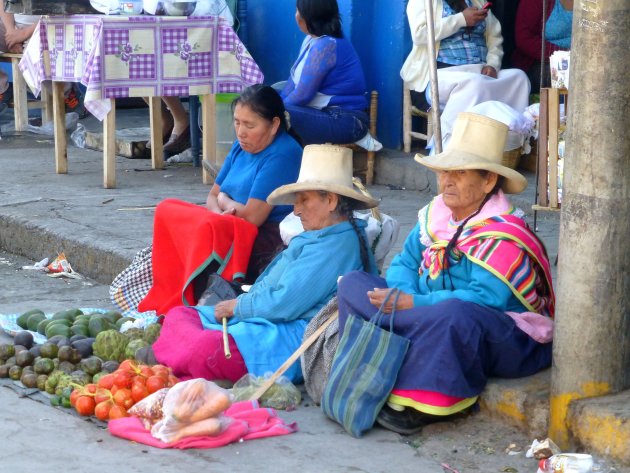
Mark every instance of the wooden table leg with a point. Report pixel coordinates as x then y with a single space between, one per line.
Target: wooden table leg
19 97
59 127
46 99
209 136
109 147
155 119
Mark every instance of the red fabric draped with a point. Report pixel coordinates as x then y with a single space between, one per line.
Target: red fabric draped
186 239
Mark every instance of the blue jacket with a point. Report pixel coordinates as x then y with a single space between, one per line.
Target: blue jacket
269 321
327 73
467 282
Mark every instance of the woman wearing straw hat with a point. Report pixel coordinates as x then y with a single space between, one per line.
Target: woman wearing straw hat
267 323
477 296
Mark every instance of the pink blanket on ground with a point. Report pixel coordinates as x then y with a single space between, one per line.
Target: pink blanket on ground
249 421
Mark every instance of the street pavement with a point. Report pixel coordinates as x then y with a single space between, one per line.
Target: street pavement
99 230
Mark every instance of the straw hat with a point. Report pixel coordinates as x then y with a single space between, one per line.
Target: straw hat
324 168
477 142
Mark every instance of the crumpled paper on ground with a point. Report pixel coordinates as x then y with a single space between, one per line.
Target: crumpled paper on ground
39 266
542 449
60 267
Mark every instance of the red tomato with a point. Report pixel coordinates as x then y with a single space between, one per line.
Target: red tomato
139 380
73 397
116 412
85 405
123 379
161 370
138 392
128 365
123 398
155 383
106 381
172 381
101 411
90 388
101 395
113 389
145 371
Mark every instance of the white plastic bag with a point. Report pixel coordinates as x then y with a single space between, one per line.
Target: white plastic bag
193 408
72 119
78 136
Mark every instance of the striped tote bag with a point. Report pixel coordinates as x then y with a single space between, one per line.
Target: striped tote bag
363 371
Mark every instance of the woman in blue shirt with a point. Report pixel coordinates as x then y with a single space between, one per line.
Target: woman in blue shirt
325 94
190 242
265 155
266 324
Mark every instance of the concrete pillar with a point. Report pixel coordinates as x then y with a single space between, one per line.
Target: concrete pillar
592 338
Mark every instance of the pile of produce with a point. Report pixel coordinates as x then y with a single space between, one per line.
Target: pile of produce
71 322
80 350
115 393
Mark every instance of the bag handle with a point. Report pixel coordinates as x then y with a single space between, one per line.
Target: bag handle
376 318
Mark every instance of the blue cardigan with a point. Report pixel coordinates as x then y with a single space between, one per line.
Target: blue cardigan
327 73
269 321
470 282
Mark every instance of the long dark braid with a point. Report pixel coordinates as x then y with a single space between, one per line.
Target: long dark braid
453 241
345 208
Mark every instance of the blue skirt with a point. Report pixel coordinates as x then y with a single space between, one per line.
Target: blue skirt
455 346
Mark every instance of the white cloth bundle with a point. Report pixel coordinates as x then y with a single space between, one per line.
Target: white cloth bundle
384 232
521 125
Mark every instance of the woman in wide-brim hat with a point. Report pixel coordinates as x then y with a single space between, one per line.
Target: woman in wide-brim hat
476 299
267 323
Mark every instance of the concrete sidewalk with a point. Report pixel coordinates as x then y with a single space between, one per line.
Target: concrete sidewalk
100 230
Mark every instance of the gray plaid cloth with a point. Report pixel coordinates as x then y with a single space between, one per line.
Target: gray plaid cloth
317 359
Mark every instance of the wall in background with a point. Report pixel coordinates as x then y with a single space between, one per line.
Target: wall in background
378 30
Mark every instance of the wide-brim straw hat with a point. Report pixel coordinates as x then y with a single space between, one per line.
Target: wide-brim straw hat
477 142
324 168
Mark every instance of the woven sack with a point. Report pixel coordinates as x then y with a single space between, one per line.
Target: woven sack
317 359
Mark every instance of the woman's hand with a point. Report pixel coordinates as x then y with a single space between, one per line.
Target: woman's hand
489 71
224 309
474 15
226 204
378 295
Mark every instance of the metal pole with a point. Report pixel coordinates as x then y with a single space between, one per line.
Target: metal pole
591 347
435 96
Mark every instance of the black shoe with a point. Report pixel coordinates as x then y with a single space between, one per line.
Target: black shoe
35 121
406 422
177 143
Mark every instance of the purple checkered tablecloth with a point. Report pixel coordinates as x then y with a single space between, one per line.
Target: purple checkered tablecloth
138 56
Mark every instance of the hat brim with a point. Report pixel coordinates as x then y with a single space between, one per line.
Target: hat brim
285 195
456 160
